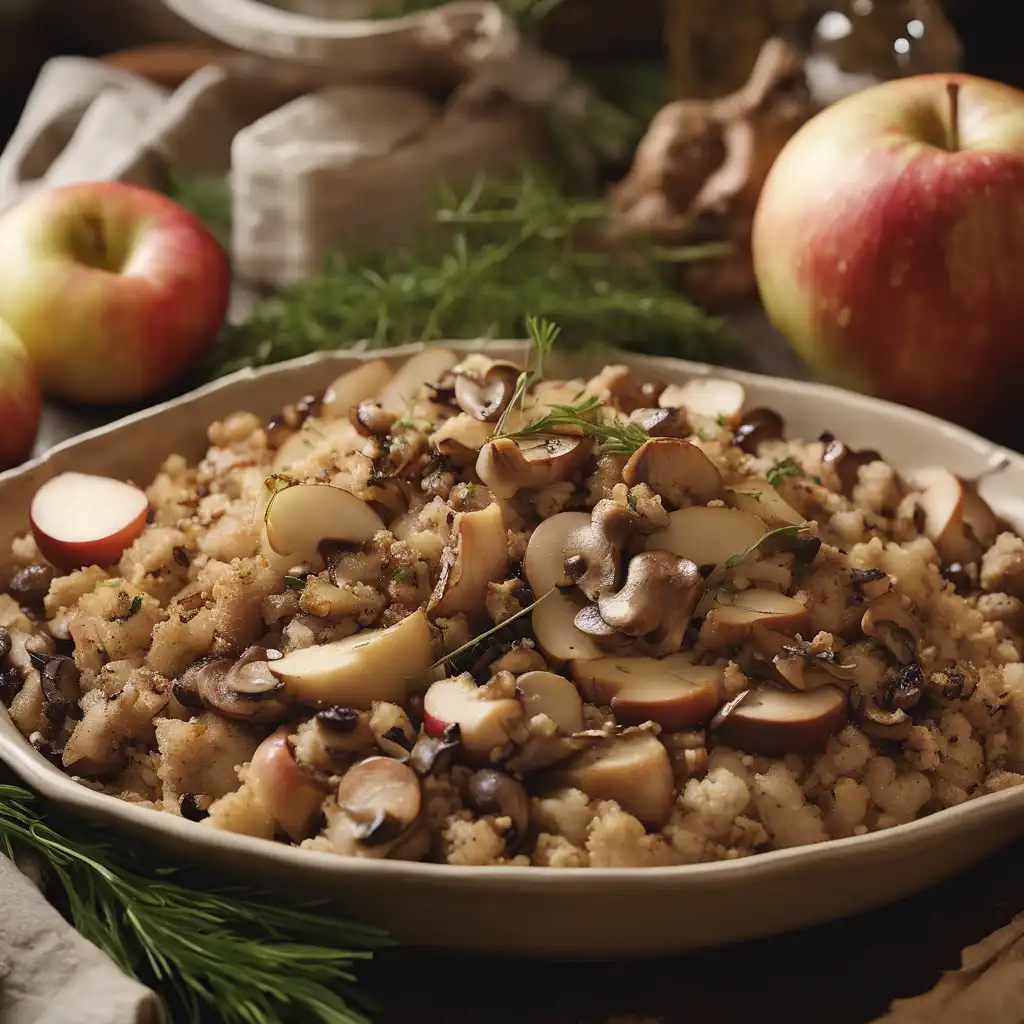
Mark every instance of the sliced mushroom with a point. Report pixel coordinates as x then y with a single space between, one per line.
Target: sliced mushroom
907 689
661 422
708 534
432 753
552 541
375 664
732 617
956 520
493 792
707 396
298 519
460 438
883 723
806 667
371 419
676 469
660 593
508 466
30 585
634 770
484 387
353 387
383 801
62 690
870 584
775 722
846 462
759 498
671 691
486 727
556 633
888 620
477 556
413 375
545 693
595 562
243 689
341 733
757 426
292 797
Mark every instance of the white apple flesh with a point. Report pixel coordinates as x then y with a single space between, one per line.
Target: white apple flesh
708 534
426 367
546 693
728 624
348 390
485 726
712 398
79 519
549 545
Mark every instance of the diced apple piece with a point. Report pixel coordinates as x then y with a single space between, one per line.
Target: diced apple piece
676 469
375 664
775 722
550 543
759 498
426 367
292 798
299 518
545 693
634 771
730 623
479 556
956 520
485 726
670 691
708 534
712 397
351 388
556 633
79 519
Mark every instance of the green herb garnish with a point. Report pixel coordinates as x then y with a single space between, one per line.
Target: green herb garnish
543 335
296 582
616 438
133 608
242 957
703 434
782 470
401 575
783 531
756 495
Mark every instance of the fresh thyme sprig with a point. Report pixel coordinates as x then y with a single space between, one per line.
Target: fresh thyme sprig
243 956
543 335
616 437
742 556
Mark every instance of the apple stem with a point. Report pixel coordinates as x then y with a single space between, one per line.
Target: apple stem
953 90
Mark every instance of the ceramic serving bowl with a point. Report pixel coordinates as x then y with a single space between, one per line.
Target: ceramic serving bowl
572 913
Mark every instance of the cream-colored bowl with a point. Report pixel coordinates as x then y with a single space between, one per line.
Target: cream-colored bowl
579 913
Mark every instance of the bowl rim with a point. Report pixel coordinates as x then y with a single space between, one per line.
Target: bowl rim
54 784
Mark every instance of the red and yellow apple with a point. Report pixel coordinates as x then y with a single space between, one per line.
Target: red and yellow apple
888 243
114 290
20 402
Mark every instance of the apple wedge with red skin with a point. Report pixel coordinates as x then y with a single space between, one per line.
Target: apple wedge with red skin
775 722
888 244
79 519
671 691
20 401
485 726
291 797
114 290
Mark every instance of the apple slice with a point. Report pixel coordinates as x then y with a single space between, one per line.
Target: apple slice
78 519
348 390
550 543
484 725
545 693
375 664
708 534
712 397
676 469
556 632
956 520
424 368
776 722
633 770
759 498
671 691
730 622
292 798
297 519
478 556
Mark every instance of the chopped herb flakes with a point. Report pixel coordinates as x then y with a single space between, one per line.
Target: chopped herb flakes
783 470
296 582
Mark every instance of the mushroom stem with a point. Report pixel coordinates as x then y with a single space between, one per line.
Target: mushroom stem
953 92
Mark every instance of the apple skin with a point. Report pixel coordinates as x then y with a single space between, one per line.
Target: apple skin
114 290
892 263
20 401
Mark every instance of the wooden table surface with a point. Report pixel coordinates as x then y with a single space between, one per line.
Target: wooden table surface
845 972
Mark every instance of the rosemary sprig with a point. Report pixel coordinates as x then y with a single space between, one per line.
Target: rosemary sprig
244 956
543 335
616 437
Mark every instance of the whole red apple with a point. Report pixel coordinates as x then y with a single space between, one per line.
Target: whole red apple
114 290
888 243
20 401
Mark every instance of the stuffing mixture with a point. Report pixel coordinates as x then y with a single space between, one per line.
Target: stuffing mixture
464 614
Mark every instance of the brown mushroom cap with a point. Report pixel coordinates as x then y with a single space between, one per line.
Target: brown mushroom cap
507 466
244 689
657 585
484 387
757 426
661 422
371 419
846 462
888 620
493 792
675 469
382 797
62 691
594 554
30 584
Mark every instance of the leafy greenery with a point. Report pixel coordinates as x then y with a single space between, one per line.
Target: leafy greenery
783 469
543 335
616 437
245 958
493 252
